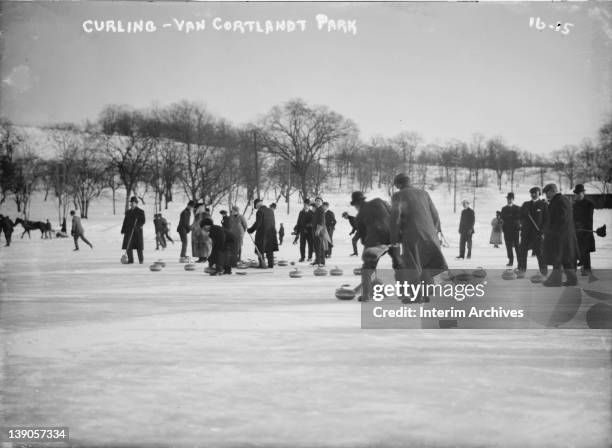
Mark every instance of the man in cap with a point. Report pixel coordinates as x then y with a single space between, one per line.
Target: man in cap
303 231
560 245
583 221
224 219
466 230
533 217
511 226
237 225
414 228
184 226
330 224
352 221
265 236
132 231
373 225
321 238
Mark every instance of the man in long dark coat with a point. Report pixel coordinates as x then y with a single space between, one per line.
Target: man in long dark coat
303 231
184 226
533 218
466 230
511 226
7 227
221 256
560 245
583 221
414 226
373 219
330 224
265 234
132 231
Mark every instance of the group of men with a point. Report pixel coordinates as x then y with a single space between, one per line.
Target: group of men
315 229
556 232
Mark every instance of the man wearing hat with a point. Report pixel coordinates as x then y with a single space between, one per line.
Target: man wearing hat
560 245
533 218
466 230
330 224
222 251
511 226
132 231
321 238
354 232
303 231
414 227
265 236
184 226
237 225
224 219
373 218
583 222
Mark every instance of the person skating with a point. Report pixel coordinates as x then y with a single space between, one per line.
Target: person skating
77 231
238 226
184 227
354 232
373 225
466 230
583 222
533 217
303 231
7 228
330 224
265 234
560 244
321 238
496 230
511 226
223 247
281 234
132 231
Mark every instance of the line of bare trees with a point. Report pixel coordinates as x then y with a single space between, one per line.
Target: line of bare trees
295 148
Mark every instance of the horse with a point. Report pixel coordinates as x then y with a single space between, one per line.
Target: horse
31 225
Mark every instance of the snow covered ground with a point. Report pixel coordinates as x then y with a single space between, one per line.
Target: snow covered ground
123 355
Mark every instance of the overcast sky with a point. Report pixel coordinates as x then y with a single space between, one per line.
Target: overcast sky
445 70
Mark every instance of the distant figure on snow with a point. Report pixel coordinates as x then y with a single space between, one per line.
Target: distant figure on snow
281 234
496 230
511 226
77 231
466 230
7 226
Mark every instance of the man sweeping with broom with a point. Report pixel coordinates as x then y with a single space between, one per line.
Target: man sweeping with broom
132 231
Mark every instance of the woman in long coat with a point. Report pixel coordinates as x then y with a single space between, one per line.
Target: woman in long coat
496 230
265 233
201 244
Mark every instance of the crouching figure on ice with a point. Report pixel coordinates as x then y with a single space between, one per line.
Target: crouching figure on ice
414 229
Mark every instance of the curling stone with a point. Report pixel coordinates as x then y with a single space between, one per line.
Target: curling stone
479 272
519 273
283 263
508 274
184 260
253 264
292 263
357 271
320 271
161 263
190 267
345 292
335 271
296 273
209 270
536 278
462 277
155 267
124 259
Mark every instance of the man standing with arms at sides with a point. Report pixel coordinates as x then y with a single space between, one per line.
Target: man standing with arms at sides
560 245
303 231
373 225
7 227
132 231
414 228
265 236
466 230
237 225
583 221
511 226
77 231
533 218
330 224
354 232
321 238
184 227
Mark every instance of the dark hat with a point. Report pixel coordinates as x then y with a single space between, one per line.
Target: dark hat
345 214
223 212
206 222
134 199
534 190
579 188
510 195
256 201
191 204
273 205
318 198
326 203
357 197
307 201
401 180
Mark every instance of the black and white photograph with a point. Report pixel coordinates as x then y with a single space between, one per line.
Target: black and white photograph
305 224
